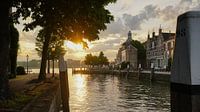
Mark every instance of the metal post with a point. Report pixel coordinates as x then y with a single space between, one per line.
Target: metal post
27 63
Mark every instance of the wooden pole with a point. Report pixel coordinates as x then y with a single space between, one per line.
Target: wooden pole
64 84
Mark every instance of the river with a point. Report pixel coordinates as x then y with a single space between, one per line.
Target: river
113 93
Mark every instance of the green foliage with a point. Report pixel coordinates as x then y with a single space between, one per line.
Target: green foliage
96 60
124 65
18 102
74 20
102 59
141 51
88 59
14 38
20 70
55 47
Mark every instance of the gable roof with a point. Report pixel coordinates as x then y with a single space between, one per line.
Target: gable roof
167 36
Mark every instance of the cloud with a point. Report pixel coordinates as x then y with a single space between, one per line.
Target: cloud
167 14
115 27
134 22
170 13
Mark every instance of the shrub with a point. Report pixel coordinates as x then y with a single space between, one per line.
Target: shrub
20 70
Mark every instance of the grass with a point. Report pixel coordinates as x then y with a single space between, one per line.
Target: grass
21 99
17 102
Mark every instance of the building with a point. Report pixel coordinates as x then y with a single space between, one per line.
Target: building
127 52
157 50
169 45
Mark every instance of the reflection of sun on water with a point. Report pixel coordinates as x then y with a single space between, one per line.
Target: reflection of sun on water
80 85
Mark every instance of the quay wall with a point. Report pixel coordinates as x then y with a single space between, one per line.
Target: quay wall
143 75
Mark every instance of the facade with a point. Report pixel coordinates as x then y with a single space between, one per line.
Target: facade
157 50
127 53
169 46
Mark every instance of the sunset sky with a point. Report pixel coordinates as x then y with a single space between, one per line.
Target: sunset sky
139 16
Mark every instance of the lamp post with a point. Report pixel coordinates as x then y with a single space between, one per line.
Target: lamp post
27 63
53 50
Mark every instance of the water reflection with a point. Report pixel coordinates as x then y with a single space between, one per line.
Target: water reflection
108 93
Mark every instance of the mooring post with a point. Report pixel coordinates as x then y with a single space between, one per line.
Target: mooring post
185 74
152 72
139 70
64 84
119 69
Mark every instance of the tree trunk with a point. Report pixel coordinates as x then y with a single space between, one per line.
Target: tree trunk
13 63
53 67
48 67
4 49
14 37
42 74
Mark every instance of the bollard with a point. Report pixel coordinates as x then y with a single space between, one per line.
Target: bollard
139 70
152 72
64 84
185 74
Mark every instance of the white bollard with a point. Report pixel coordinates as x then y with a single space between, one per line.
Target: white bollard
185 74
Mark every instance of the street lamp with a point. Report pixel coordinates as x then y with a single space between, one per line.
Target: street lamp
53 50
27 63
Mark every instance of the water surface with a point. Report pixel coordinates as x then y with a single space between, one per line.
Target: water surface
113 93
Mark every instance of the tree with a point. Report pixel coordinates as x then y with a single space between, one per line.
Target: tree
74 20
4 49
96 60
102 59
14 34
88 59
141 52
55 43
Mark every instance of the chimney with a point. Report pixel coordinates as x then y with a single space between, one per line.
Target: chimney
153 34
148 36
160 30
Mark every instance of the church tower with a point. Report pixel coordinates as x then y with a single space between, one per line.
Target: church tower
129 36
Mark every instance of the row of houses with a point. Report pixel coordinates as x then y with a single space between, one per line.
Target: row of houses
159 50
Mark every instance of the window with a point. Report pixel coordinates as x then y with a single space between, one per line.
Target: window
172 44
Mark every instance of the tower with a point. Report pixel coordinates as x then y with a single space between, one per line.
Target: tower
129 36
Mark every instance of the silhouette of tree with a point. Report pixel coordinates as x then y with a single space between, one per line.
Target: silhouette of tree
4 48
71 19
102 59
74 20
96 60
55 43
88 59
14 34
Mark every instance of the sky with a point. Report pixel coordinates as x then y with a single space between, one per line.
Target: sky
137 16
